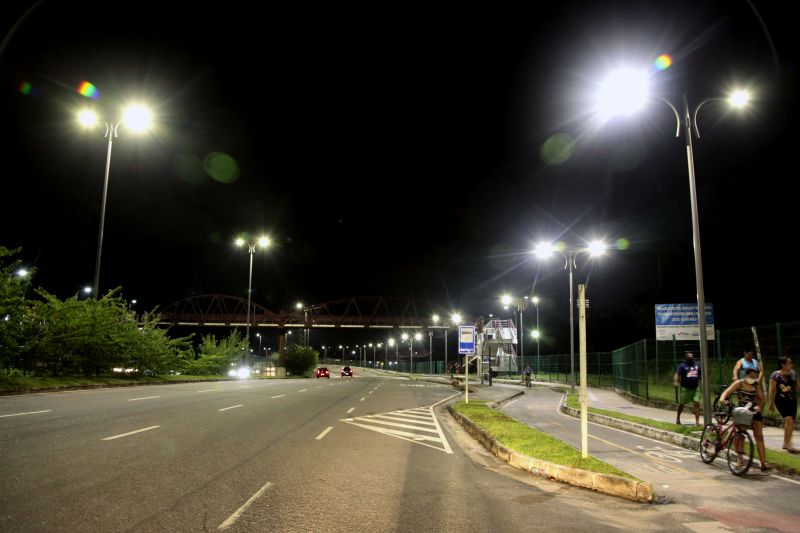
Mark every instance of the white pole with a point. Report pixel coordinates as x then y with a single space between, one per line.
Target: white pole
582 337
466 379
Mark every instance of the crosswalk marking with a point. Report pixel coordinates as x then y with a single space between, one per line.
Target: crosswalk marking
418 425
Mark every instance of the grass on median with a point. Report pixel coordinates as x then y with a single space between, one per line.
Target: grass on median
45 382
529 441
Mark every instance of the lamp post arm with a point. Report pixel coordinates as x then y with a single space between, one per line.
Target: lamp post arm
675 111
697 110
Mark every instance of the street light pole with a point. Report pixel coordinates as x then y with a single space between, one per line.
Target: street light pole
538 335
430 351
570 259
111 132
251 249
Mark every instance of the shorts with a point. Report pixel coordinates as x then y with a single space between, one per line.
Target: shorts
786 407
689 395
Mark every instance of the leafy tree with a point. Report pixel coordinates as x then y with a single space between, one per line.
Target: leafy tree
216 357
12 306
300 359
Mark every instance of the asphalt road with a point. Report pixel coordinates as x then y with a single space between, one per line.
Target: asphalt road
362 454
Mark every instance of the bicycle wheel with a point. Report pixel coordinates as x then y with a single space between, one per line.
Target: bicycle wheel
710 444
739 464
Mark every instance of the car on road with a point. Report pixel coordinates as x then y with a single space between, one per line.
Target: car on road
347 371
323 372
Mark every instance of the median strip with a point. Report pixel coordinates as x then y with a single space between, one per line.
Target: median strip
28 413
130 433
231 407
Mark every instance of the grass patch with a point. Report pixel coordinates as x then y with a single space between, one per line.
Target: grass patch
529 441
572 401
8 383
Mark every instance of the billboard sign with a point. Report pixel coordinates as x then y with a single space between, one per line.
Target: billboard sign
680 321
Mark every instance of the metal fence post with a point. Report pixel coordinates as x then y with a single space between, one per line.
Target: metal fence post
718 342
780 339
646 374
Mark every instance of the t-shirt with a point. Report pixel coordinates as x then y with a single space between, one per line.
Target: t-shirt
746 365
689 375
786 386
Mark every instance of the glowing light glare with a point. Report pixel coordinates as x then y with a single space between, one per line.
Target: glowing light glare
663 62
137 118
391 342
88 90
25 88
404 336
87 290
455 318
535 300
239 242
435 318
739 98
544 250
536 334
505 300
623 244
232 373
623 92
243 373
87 118
299 305
22 272
597 248
418 336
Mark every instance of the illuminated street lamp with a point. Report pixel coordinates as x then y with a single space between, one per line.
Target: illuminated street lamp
545 250
263 242
626 91
135 118
538 334
391 342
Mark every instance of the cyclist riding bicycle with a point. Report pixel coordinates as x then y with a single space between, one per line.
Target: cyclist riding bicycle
526 375
748 391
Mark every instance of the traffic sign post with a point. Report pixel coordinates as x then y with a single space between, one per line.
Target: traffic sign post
466 346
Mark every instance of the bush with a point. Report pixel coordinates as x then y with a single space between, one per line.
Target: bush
301 359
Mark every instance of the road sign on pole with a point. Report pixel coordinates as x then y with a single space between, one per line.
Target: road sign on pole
466 339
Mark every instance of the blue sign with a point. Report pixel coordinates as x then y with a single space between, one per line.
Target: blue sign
466 339
681 322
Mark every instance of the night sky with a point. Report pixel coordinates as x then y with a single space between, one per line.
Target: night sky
398 151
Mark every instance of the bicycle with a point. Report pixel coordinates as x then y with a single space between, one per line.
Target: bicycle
526 380
729 436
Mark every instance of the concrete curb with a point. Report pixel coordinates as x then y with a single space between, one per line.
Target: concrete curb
12 392
508 399
663 435
639 491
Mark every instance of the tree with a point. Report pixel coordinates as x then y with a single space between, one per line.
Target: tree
216 357
300 359
12 306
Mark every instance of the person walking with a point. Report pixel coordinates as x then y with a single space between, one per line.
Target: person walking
783 395
687 377
747 361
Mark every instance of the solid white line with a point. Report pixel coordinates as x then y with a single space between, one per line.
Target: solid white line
207 390
145 398
404 419
28 413
351 410
231 407
453 396
322 435
278 396
387 423
785 479
130 433
362 399
235 516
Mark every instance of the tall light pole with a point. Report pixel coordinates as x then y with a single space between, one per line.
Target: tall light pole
263 242
135 118
324 354
455 320
298 306
342 349
538 335
391 342
259 342
520 303
623 93
569 253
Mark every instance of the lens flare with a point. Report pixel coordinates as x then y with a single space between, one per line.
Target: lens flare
88 90
25 88
557 149
663 62
623 244
221 167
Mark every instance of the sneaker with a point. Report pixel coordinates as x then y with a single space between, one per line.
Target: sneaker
766 467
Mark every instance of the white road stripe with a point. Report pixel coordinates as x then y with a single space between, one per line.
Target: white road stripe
130 433
206 390
235 516
320 386
302 390
351 410
278 396
391 416
322 435
411 416
28 413
370 392
232 407
362 399
785 479
145 398
386 423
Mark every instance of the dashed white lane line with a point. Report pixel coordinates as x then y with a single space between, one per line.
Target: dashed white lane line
302 390
370 392
206 390
235 516
351 410
231 407
362 399
130 433
320 386
145 398
322 435
278 396
28 413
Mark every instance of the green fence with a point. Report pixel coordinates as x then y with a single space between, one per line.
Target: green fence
556 368
646 368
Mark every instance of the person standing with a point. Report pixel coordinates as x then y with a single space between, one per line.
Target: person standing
783 395
747 361
749 393
687 377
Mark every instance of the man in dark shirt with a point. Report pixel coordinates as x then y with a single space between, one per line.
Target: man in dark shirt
687 377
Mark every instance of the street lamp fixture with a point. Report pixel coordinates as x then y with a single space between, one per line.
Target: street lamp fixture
240 242
135 118
688 118
545 250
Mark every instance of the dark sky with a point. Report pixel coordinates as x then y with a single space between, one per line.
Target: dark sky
396 151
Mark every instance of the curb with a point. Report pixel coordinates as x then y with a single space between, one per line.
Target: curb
663 435
12 392
506 400
639 491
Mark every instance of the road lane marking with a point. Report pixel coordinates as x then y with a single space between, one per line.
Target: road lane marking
130 433
278 396
231 407
785 479
145 398
351 410
322 435
235 516
302 390
320 386
28 413
362 399
206 390
370 392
